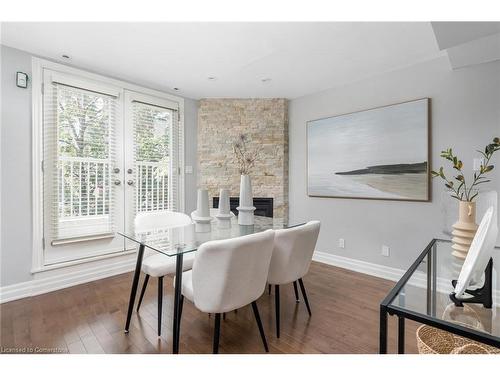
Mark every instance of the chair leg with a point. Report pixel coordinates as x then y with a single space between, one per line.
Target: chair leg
269 289
259 324
303 290
216 333
143 291
296 292
277 308
160 302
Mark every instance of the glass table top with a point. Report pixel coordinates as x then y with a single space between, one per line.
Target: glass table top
427 291
185 239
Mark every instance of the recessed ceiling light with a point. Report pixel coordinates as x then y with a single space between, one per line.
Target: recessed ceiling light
212 78
65 56
265 80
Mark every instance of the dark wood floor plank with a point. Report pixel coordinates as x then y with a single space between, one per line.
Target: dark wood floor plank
89 318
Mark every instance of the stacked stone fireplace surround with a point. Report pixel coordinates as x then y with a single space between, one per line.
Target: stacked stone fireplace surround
265 123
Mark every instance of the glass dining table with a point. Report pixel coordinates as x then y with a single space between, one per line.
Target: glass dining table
177 241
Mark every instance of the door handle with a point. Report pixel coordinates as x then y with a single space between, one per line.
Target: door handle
130 182
117 182
116 170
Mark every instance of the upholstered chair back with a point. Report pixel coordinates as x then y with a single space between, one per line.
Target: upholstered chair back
229 274
165 219
292 254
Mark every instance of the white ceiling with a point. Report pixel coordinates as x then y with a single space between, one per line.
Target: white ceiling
300 58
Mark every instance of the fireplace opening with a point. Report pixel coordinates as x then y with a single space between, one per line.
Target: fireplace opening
263 206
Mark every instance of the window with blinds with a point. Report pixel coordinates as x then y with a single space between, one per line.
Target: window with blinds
155 157
79 156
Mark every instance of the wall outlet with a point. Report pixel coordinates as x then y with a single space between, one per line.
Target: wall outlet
385 250
477 162
341 243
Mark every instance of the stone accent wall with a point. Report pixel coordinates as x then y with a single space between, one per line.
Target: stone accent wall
265 122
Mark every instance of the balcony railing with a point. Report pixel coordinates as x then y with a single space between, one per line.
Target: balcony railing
85 187
152 193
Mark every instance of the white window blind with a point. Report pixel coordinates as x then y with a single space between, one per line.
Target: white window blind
156 157
79 149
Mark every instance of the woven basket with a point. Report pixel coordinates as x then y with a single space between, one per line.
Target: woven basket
431 340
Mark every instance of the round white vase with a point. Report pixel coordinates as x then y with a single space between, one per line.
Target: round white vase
246 207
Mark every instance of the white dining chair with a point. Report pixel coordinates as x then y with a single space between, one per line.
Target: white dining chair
227 275
160 265
292 256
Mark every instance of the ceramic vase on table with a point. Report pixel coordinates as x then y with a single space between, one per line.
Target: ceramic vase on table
464 229
224 213
201 216
246 207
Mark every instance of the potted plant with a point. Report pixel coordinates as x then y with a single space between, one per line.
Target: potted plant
465 191
245 159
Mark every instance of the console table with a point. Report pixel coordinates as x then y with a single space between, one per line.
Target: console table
422 295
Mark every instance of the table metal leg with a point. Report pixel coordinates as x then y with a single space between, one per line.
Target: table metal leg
177 299
429 284
135 283
401 335
434 280
383 331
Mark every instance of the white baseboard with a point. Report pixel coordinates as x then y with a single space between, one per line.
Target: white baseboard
394 274
60 281
372 269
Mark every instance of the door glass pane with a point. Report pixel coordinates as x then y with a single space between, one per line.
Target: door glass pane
152 145
85 158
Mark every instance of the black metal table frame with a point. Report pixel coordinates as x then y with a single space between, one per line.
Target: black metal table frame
387 309
177 295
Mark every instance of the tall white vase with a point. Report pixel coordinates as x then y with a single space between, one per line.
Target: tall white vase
246 208
224 214
201 216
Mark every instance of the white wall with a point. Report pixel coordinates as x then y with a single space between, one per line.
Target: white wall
465 108
16 145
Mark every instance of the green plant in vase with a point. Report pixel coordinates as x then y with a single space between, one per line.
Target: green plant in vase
465 192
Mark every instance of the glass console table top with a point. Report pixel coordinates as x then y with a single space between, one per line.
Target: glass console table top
426 292
185 239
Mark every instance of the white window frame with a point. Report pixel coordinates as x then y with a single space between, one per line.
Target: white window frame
38 66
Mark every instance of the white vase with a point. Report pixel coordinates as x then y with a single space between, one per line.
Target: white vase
201 216
224 213
246 208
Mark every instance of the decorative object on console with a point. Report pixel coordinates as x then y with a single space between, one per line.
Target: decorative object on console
224 213
380 153
246 160
201 216
465 229
478 261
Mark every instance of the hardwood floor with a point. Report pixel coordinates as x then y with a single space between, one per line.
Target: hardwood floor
89 318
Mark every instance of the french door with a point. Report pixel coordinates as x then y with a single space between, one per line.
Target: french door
109 153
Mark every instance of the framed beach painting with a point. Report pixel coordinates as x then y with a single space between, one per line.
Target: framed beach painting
379 153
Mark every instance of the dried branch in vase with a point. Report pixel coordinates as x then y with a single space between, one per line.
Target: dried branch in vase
245 157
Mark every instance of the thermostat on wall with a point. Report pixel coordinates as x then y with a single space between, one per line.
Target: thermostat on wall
22 80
